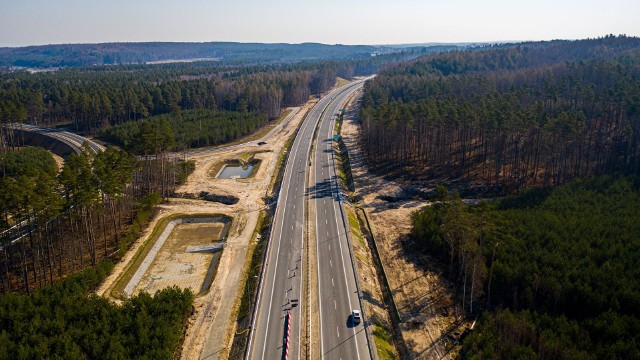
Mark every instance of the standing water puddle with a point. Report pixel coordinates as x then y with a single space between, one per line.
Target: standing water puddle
236 171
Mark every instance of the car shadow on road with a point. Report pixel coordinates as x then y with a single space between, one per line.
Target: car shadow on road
350 323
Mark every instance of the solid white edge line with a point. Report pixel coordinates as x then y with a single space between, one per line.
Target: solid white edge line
284 210
332 165
341 90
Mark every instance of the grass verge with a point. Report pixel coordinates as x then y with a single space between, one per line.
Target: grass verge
340 82
384 342
245 305
342 157
355 227
382 335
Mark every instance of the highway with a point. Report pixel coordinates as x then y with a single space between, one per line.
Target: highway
340 337
282 275
72 140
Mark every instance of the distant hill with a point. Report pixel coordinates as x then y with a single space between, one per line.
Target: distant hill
128 53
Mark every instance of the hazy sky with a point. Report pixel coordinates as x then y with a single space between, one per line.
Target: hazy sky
34 22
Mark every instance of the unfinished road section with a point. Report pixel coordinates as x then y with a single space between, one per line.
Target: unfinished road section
185 254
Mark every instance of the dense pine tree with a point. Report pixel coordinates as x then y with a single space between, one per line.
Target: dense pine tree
561 263
508 117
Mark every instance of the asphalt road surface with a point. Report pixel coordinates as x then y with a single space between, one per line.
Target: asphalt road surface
75 141
340 336
282 278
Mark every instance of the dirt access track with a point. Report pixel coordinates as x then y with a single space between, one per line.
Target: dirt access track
208 335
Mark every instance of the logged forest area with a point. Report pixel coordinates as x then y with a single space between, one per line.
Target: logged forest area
501 118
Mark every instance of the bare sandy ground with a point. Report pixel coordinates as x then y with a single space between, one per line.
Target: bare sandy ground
210 327
209 335
174 266
58 159
422 296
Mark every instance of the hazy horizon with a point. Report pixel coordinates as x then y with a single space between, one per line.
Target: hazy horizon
358 22
426 43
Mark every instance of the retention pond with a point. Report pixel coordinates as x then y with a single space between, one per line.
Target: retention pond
237 171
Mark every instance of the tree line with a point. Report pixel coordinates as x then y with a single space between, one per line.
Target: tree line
192 128
64 321
126 53
505 118
555 269
90 98
56 223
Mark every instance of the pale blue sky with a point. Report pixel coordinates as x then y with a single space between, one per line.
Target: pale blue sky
35 22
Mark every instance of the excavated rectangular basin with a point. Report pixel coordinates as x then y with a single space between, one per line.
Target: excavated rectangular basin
185 254
233 171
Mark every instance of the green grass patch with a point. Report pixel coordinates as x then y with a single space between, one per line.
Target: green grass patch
342 155
354 224
282 160
384 342
337 126
215 168
246 157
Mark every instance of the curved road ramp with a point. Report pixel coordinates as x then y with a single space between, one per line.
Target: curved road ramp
59 142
